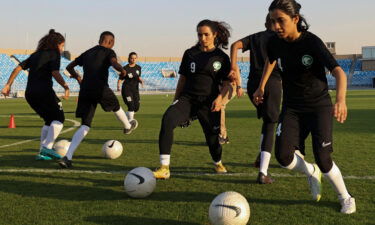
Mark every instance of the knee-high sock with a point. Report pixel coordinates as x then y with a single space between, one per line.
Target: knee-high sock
53 131
76 140
264 162
120 114
43 135
130 115
337 181
300 165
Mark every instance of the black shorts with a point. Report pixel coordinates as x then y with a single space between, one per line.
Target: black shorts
131 97
46 105
269 110
88 100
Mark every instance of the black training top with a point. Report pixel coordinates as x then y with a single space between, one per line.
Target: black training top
204 71
131 79
40 65
257 44
303 64
95 62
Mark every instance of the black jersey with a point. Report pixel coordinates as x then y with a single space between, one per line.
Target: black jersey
40 65
95 62
131 78
204 71
303 64
257 44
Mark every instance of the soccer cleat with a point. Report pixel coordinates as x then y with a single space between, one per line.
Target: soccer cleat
50 153
220 168
257 161
348 205
162 172
134 125
40 157
223 140
65 163
263 179
315 182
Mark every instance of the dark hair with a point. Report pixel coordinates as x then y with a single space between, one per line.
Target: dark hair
130 55
50 41
104 34
221 29
292 8
268 23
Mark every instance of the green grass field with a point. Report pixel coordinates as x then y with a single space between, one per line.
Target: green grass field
34 192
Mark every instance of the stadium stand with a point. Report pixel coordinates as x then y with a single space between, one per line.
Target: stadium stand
155 81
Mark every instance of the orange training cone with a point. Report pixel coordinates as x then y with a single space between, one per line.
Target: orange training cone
12 123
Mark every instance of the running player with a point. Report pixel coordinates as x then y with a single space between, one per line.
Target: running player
203 68
303 57
130 87
44 64
94 89
269 110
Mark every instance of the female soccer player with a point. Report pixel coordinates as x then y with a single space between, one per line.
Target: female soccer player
130 89
203 67
303 57
44 64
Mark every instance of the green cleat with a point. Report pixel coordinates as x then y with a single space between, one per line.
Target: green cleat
40 157
50 153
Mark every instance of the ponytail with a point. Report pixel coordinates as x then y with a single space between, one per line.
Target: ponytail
50 41
221 29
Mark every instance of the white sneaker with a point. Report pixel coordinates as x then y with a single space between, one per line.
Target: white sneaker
348 205
315 182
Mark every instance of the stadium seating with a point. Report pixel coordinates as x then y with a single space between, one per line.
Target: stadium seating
153 78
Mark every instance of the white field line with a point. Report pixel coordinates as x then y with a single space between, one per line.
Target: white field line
75 125
253 174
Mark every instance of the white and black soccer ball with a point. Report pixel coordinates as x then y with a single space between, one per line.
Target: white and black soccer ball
61 147
112 149
139 182
229 208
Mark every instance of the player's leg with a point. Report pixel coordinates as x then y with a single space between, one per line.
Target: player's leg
210 123
109 102
223 136
287 140
176 114
321 132
269 110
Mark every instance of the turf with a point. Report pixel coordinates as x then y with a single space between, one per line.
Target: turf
30 196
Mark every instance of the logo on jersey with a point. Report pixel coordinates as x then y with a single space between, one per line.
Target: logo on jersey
130 75
137 72
216 65
307 60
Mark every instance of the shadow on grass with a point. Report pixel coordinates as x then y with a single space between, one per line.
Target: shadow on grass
286 202
127 220
248 165
143 141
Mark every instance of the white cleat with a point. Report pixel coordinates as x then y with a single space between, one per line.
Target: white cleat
348 205
315 182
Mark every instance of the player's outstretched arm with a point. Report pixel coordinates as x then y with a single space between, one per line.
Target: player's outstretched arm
340 110
6 90
267 70
72 71
117 66
218 102
56 74
234 73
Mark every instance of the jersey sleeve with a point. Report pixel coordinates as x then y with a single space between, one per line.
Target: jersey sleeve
184 65
123 77
272 49
111 54
323 54
79 60
54 64
245 43
140 71
25 64
225 69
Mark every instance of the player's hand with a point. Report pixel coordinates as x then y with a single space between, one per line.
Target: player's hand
258 96
239 92
66 94
217 104
6 90
232 75
118 88
340 111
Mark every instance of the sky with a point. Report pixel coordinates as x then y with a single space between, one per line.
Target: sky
167 27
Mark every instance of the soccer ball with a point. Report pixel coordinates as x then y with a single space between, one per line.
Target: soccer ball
61 147
229 208
139 182
112 149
